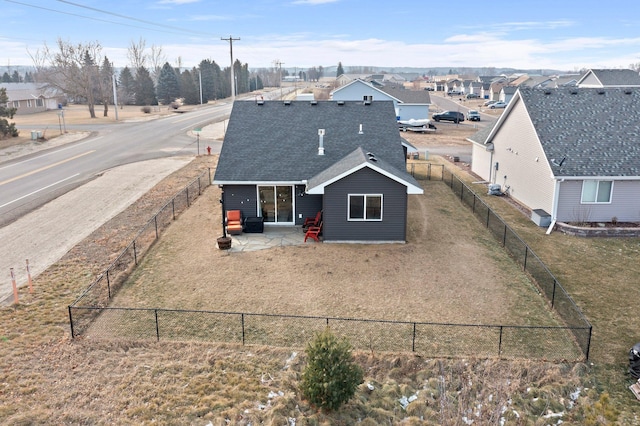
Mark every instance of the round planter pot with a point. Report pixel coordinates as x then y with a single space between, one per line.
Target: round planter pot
224 243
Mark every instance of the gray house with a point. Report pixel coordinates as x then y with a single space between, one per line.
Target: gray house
283 161
610 78
29 98
572 153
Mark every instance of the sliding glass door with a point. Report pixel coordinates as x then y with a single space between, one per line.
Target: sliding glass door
276 204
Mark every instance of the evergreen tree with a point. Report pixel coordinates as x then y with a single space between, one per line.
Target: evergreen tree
126 87
168 88
6 78
6 128
16 78
106 85
340 70
331 377
145 89
189 87
28 77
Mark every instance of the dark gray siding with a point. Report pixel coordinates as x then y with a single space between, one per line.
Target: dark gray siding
307 205
241 197
393 226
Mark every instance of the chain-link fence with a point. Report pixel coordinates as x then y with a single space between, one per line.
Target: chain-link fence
100 292
91 316
429 339
558 298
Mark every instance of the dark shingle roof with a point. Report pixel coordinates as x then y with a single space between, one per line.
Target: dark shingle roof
615 77
275 142
597 130
408 96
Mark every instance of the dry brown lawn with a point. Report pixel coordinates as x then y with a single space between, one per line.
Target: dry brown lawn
451 270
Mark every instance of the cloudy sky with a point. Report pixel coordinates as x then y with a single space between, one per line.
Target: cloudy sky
564 35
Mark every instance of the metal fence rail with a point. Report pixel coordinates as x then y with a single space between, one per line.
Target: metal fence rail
106 285
430 339
91 316
549 286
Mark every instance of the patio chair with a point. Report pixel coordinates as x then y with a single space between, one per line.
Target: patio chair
234 222
312 221
314 233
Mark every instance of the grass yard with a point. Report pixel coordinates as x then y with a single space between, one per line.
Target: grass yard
450 271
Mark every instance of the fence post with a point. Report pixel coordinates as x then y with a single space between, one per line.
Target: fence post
155 221
135 254
209 181
500 342
157 326
242 321
442 174
108 285
173 207
199 190
504 236
488 213
187 191
553 295
71 323
413 343
473 208
461 191
526 253
588 343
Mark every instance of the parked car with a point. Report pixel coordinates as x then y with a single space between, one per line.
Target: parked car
473 96
498 104
488 103
454 92
473 115
454 116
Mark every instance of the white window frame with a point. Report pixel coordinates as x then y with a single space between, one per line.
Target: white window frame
597 182
364 218
15 104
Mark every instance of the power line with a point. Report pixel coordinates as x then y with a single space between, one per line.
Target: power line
131 18
180 31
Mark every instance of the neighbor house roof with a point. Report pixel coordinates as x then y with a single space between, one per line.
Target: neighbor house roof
23 91
595 130
276 141
407 96
612 77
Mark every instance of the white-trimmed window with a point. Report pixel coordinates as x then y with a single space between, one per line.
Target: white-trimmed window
16 104
596 191
39 102
365 207
28 103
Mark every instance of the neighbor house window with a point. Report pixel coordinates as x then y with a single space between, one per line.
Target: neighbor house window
39 102
16 104
28 103
365 207
597 191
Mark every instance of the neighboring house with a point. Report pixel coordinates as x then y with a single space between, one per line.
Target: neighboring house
507 93
494 91
610 78
408 104
573 153
287 160
343 79
475 87
29 98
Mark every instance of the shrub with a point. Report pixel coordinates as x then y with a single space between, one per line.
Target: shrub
146 109
331 376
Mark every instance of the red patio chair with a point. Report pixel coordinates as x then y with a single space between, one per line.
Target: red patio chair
234 222
312 221
313 232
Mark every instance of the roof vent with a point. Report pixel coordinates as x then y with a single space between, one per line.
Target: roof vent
628 91
547 91
260 102
340 103
573 91
371 156
320 141
287 103
314 102
360 132
600 92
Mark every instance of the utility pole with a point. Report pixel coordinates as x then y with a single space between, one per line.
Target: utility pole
279 64
115 94
200 81
233 86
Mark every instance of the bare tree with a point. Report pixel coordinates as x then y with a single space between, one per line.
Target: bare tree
157 58
136 54
72 69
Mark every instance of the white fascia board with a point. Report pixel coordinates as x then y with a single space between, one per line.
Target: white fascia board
411 189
